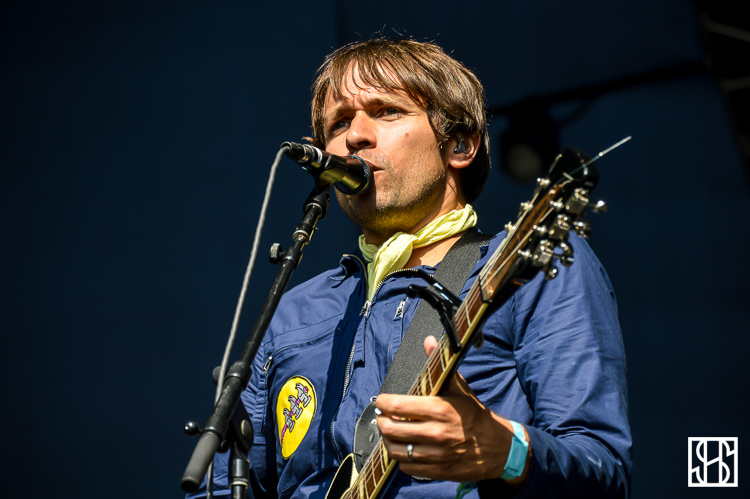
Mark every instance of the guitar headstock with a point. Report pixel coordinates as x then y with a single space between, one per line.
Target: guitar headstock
540 234
575 165
574 176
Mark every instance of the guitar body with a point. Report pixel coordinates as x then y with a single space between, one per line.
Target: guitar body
345 477
349 484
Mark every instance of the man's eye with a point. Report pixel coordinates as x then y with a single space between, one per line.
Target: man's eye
389 111
338 125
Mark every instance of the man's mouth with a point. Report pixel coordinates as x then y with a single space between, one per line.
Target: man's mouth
372 166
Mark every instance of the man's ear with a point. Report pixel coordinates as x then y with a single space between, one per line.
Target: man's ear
461 149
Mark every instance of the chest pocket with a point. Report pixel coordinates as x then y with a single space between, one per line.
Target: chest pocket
385 329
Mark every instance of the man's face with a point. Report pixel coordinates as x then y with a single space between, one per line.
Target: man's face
393 134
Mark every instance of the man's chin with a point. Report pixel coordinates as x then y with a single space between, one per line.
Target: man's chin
356 205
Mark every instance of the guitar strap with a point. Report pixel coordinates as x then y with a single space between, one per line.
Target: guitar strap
452 273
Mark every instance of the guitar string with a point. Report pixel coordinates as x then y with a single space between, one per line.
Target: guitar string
521 242
369 472
495 257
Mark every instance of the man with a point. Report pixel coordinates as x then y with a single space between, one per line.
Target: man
540 410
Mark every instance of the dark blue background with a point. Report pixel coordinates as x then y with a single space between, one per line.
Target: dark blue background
135 144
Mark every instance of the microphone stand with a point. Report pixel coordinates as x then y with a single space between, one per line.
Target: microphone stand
228 426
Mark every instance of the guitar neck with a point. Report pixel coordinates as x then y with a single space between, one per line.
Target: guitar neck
373 476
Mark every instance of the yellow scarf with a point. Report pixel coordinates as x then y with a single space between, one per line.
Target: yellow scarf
393 254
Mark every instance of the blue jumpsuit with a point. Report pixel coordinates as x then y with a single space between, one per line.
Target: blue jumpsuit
553 360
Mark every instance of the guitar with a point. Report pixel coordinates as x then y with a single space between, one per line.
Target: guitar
533 242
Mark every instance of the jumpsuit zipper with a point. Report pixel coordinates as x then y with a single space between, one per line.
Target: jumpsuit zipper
365 312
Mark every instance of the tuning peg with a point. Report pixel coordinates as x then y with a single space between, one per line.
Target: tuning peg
543 254
578 201
558 231
599 207
566 258
525 206
582 228
550 273
582 225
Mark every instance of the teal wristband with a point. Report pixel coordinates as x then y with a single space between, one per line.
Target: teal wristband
519 448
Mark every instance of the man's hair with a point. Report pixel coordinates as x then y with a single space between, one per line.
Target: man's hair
452 94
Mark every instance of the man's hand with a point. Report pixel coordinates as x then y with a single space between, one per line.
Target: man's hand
453 437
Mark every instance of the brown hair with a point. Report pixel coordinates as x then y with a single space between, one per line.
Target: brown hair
452 94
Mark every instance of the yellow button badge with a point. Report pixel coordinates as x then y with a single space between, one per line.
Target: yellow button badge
295 410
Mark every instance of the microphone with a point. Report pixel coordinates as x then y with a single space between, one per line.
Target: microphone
348 174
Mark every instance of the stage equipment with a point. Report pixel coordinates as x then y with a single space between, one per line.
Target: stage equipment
348 174
228 426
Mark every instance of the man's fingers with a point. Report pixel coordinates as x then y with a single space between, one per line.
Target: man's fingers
413 431
430 343
420 452
414 408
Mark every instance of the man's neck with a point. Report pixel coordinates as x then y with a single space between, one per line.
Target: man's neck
432 254
378 238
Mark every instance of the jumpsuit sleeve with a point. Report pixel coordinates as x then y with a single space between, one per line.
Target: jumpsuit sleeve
570 360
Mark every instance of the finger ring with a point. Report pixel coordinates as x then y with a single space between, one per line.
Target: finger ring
410 453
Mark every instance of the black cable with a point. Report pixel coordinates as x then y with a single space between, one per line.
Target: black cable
241 299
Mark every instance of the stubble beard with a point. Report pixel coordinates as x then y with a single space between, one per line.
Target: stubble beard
399 209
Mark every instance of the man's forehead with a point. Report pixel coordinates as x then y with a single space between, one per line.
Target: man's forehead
352 87
364 94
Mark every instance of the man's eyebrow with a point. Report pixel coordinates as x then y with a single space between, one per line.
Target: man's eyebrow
387 100
334 113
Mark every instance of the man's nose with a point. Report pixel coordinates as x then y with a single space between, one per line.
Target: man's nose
361 134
